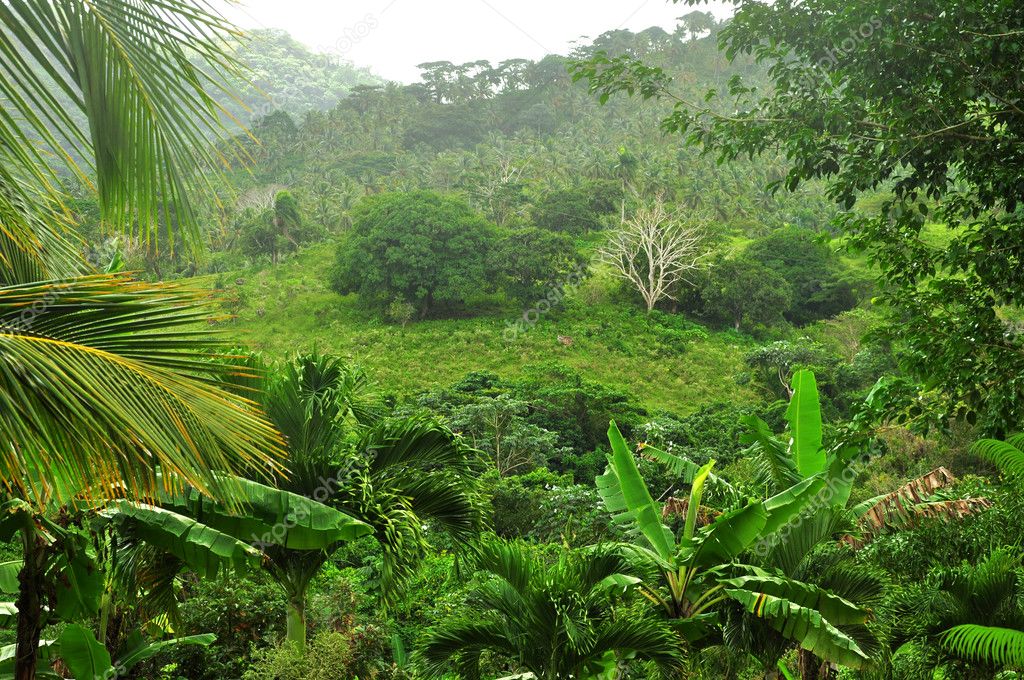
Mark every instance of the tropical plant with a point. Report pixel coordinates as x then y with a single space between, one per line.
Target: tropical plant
998 645
352 473
554 620
700 571
966 618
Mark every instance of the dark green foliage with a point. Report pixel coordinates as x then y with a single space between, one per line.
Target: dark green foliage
575 210
576 408
821 287
243 613
426 249
744 293
550 508
536 264
988 593
276 231
712 432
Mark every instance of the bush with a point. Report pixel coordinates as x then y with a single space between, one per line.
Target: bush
744 293
244 614
822 286
356 653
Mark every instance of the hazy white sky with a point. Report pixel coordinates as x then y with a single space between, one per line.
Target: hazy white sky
392 36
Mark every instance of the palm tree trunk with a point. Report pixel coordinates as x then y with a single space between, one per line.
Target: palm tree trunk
30 606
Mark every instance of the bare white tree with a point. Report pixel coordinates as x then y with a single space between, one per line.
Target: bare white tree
655 249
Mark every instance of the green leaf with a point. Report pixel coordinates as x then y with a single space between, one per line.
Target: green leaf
79 582
204 549
696 495
625 494
804 418
837 610
804 626
729 535
85 657
270 516
8 614
1007 456
999 646
783 507
9 576
148 650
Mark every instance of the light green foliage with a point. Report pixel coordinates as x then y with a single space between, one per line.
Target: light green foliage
290 308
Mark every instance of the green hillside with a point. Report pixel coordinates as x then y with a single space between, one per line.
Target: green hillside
290 308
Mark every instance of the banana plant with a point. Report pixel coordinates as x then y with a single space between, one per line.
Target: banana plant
699 571
87 659
287 535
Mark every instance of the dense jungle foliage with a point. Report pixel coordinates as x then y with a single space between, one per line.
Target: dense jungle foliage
689 354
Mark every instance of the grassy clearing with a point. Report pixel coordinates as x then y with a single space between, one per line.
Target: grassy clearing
668 364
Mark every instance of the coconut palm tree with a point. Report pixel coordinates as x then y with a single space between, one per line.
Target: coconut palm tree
103 379
553 620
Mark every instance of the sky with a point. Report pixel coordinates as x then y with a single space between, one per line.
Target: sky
392 36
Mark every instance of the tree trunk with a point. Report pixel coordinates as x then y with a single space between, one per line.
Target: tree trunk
813 668
296 622
30 606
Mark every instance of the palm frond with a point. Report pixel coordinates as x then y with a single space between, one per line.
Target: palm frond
1007 455
142 74
988 644
775 467
106 380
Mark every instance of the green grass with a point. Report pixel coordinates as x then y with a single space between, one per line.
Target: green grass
670 364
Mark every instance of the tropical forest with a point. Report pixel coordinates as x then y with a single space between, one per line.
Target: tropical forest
691 350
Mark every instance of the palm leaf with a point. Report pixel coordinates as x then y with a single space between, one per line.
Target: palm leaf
1006 455
998 646
687 470
104 379
141 73
775 466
